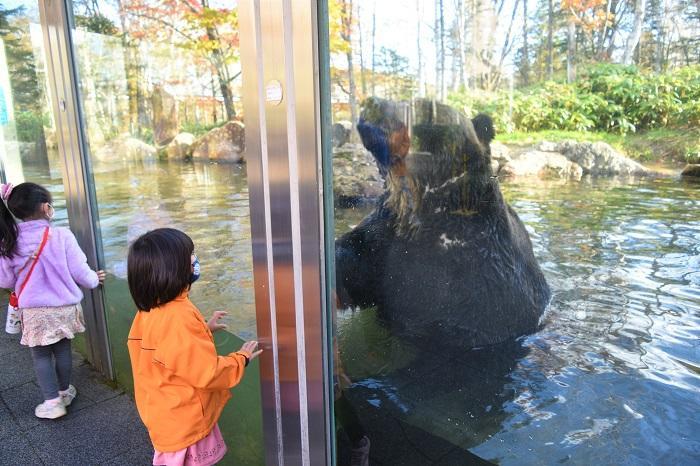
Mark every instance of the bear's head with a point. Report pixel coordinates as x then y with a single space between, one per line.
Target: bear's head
429 153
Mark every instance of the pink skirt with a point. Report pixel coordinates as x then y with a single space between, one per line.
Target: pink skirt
208 451
43 326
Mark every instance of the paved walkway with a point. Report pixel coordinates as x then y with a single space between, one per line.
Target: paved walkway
101 427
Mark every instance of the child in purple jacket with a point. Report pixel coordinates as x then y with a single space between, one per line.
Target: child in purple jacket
50 299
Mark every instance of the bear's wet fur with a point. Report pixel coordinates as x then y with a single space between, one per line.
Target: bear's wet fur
443 256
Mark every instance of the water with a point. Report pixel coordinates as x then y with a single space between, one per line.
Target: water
207 201
614 375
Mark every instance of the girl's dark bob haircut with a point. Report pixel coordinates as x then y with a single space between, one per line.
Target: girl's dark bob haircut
159 267
24 203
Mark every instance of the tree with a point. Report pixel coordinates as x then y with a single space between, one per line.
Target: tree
20 60
550 34
399 83
636 33
211 33
346 21
525 64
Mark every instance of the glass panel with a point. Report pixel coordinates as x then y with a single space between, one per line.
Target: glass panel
28 150
160 93
444 270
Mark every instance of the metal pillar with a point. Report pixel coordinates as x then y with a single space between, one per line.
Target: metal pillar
279 56
77 181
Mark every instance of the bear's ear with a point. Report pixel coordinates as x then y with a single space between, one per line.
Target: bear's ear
483 125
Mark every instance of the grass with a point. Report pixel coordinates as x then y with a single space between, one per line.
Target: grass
660 145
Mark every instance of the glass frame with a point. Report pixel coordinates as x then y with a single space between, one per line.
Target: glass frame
287 168
79 188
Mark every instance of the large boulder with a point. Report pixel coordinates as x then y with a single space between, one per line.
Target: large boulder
542 164
223 144
125 147
341 132
691 170
356 178
165 121
596 158
180 147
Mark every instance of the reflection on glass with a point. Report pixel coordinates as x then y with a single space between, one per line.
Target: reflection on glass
443 352
160 92
28 150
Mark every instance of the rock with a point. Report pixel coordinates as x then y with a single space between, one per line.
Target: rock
181 146
224 144
546 146
125 147
500 156
165 121
50 137
341 133
692 169
597 158
543 164
356 177
500 152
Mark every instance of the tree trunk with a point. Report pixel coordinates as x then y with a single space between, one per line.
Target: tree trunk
347 37
571 51
131 73
222 76
441 31
374 56
660 61
420 52
603 35
459 29
636 33
525 67
550 32
221 69
363 78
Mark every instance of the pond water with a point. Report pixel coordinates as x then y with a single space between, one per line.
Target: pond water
207 201
614 375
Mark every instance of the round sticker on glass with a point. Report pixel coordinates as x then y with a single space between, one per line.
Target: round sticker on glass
273 92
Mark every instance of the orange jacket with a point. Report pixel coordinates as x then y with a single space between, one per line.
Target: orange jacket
180 383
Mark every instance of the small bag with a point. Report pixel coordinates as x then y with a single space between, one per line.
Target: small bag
13 324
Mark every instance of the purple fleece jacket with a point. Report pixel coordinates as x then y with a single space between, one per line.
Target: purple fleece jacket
61 268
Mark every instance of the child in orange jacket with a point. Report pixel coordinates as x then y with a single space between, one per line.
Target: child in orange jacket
180 384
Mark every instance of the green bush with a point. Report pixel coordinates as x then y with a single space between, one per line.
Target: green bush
199 129
611 98
30 126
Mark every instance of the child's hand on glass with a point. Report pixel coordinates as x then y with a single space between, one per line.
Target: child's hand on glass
101 274
251 347
214 324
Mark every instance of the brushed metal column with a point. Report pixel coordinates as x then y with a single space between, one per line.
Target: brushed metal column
77 181
281 97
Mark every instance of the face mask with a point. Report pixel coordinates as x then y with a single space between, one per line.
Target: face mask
51 212
195 270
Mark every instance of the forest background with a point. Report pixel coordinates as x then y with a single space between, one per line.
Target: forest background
623 71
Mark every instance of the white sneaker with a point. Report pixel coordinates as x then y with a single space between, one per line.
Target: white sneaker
50 409
67 396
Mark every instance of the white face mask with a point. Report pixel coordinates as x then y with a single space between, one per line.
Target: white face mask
51 213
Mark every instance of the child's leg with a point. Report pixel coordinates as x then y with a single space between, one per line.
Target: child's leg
64 362
45 372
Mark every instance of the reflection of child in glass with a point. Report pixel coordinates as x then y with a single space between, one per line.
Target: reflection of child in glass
46 267
180 384
345 413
